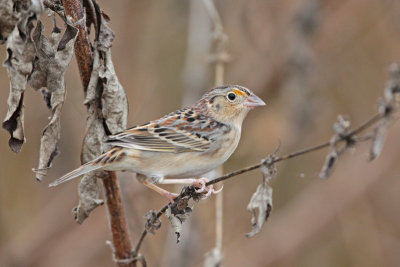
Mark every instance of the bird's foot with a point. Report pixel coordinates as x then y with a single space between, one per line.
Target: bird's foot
201 184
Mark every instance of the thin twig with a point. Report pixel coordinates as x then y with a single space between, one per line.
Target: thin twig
144 233
359 129
370 122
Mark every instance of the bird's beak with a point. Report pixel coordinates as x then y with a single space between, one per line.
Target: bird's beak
254 101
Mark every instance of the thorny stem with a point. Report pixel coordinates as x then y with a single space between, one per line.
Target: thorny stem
84 58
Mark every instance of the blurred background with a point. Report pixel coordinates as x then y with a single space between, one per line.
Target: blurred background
310 60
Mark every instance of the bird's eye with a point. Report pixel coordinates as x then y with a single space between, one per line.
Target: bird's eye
231 96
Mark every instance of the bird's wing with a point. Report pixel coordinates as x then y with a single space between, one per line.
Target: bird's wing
180 131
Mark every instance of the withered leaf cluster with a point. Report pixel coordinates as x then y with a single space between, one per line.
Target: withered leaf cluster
53 56
16 24
41 62
107 111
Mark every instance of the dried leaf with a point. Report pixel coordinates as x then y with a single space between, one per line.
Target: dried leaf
260 204
114 101
17 13
392 89
341 128
260 207
378 140
89 197
213 258
105 36
92 146
329 164
107 114
153 223
21 54
342 125
49 69
177 213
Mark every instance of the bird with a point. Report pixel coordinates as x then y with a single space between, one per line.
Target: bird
182 145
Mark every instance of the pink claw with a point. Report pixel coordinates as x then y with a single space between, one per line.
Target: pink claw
201 182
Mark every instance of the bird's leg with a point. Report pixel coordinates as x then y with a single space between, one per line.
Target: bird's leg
160 190
199 183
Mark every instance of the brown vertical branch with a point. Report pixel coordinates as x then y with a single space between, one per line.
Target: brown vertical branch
83 53
84 58
119 227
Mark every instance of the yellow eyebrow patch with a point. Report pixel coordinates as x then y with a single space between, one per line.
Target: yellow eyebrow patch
239 92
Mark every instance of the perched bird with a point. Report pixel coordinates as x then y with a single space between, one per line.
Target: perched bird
186 143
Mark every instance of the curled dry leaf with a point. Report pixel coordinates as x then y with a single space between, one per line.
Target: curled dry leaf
392 89
341 128
378 140
260 204
20 55
329 164
177 213
389 102
107 114
105 36
89 198
114 101
53 57
17 12
153 223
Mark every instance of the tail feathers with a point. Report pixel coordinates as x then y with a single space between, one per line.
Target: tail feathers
88 167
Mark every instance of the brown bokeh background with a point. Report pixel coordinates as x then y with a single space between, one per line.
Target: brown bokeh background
310 60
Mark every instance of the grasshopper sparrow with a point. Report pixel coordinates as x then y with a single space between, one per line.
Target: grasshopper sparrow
186 143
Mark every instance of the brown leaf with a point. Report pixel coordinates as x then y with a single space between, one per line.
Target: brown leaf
260 204
260 207
105 36
88 197
107 114
114 101
153 223
49 70
330 162
92 146
378 139
17 13
177 213
19 64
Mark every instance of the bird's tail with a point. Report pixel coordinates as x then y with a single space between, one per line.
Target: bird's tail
113 155
85 168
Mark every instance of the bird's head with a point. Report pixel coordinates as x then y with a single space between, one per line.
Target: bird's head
230 104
